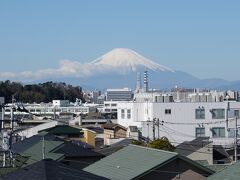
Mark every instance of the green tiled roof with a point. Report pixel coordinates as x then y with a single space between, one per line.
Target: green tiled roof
35 152
130 162
231 172
18 163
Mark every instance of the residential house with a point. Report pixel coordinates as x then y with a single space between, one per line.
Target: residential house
73 154
201 149
137 162
65 131
133 132
198 149
113 133
48 169
89 137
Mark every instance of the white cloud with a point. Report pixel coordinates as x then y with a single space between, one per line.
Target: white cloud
66 68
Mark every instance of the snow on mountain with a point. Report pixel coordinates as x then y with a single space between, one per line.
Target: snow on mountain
127 59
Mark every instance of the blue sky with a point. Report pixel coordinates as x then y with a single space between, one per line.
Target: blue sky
199 37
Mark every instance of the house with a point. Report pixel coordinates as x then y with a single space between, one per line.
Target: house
133 132
137 162
108 150
48 169
68 132
201 149
113 133
89 137
230 173
198 149
73 154
71 133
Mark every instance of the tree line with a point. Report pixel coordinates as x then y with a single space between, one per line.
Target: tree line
42 92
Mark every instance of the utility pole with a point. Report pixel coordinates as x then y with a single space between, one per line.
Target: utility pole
153 128
43 148
2 122
11 133
235 143
158 127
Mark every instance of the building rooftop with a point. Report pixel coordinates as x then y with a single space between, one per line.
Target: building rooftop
188 147
48 169
55 148
112 126
63 130
231 172
133 161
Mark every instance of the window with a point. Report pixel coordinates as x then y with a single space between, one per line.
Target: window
200 132
129 113
200 113
122 113
167 111
218 132
114 105
107 105
218 113
236 113
231 133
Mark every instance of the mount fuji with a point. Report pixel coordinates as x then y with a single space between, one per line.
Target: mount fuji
118 68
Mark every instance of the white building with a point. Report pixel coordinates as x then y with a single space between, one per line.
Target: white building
61 103
124 94
110 106
182 121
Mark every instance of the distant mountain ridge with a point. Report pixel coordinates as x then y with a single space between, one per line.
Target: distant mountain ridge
128 59
118 68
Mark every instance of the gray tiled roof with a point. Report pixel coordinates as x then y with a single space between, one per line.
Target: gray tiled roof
188 147
47 170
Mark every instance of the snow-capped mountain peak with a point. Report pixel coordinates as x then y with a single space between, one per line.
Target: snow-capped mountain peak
127 58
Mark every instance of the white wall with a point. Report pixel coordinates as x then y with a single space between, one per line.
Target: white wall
182 113
34 130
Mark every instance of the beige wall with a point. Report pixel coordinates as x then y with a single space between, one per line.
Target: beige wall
120 133
111 134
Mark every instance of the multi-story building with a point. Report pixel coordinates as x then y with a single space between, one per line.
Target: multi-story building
182 121
124 94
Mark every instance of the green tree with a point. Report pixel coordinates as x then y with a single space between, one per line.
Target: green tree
162 143
139 143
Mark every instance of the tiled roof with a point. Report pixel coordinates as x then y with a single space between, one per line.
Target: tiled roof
129 162
25 144
64 130
47 170
55 148
188 147
73 150
133 161
231 172
112 126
